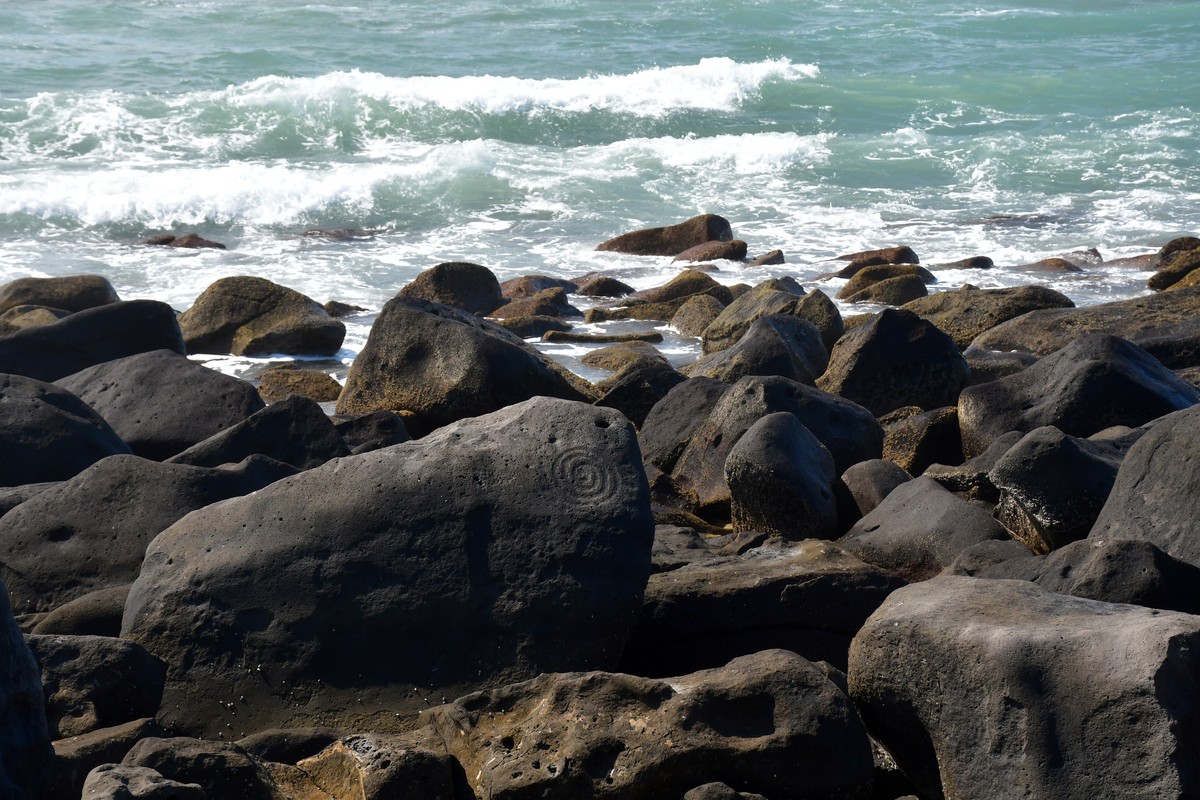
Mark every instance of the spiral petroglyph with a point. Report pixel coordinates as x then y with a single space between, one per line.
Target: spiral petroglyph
583 475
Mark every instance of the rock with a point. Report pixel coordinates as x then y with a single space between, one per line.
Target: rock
546 303
869 482
93 682
972 479
91 531
896 360
966 313
672 239
337 309
732 250
918 529
770 723
696 314
289 745
1176 260
123 782
885 255
719 791
1153 497
532 327
604 286
161 402
279 383
48 434
688 283
25 754
249 316
623 355
848 431
188 240
71 293
221 769
97 613
1050 265
635 391
817 308
1091 384
990 684
380 767
872 275
601 338
459 284
973 262
373 431
19 318
1191 280
891 291
90 337
673 420
526 286
77 756
778 344
915 439
1156 317
989 365
294 431
13 496
809 597
1048 514
732 323
492 550
767 259
781 481
441 365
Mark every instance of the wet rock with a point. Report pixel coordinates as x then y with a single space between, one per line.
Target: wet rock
1176 260
97 613
279 383
601 338
989 365
732 323
71 293
533 327
249 316
672 239
972 262
696 314
604 286
1093 383
48 434
636 390
93 682
528 286
494 549
885 255
337 309
869 482
914 439
980 683
770 258
688 283
671 422
25 754
770 723
968 312
124 782
373 431
732 250
871 275
459 284
19 318
91 531
546 303
918 529
90 337
1050 265
191 241
891 291
619 356
781 481
161 402
441 365
777 344
897 359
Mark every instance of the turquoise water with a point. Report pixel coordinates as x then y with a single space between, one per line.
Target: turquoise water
521 135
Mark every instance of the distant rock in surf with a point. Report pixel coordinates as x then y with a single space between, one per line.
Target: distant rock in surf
671 240
187 240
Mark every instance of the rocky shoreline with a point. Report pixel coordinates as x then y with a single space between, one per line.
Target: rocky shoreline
948 549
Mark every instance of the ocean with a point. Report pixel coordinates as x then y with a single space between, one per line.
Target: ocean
521 135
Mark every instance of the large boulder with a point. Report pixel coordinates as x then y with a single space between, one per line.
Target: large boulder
492 550
897 359
221 769
770 723
126 782
162 403
250 316
461 284
48 434
1094 383
70 293
809 597
25 754
915 440
1175 261
672 239
984 688
778 344
765 299
91 532
969 311
1154 497
863 279
733 250
90 337
636 390
440 364
669 425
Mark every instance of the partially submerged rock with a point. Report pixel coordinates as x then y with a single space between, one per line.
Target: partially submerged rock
672 239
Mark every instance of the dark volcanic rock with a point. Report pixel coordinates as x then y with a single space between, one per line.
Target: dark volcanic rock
162 403
697 314
252 316
968 312
672 239
19 318
869 482
279 383
191 241
672 421
373 431
96 613
781 481
769 723
99 751
778 344
737 317
732 250
533 327
71 293
90 337
293 431
918 529
288 745
1093 383
770 258
634 392
459 284
48 434
875 274
368 766
442 364
222 769
884 255
124 782
546 303
1176 260
809 597
93 682
526 286
915 439
897 359
25 754
891 291
977 683
604 286
492 550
